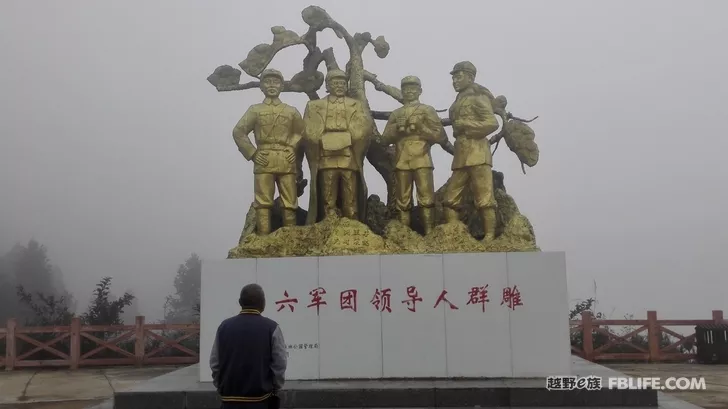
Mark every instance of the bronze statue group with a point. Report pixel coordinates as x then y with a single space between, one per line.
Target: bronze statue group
335 133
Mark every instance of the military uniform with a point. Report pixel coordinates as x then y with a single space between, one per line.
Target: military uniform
473 120
277 128
337 137
337 166
413 161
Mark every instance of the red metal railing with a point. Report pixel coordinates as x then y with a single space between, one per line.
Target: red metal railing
140 344
660 344
79 345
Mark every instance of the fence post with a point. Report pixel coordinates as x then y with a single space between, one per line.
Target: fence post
653 336
139 343
75 342
10 352
718 316
586 338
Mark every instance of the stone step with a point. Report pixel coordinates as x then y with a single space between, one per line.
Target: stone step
394 397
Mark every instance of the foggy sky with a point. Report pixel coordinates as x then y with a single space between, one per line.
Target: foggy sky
117 154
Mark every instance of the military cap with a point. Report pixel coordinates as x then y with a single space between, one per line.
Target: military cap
411 79
466 66
271 73
331 74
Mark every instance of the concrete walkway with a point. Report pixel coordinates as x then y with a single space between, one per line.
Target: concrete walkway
716 380
64 389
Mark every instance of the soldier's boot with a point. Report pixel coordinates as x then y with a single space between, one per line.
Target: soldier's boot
289 217
350 213
488 215
428 218
404 217
263 223
451 215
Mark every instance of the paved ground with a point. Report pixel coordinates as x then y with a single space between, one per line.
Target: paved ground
77 404
716 379
61 389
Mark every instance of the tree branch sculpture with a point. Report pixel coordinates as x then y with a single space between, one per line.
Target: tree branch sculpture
309 80
518 136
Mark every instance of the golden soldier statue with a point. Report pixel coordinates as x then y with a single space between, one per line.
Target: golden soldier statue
337 135
472 121
414 128
278 129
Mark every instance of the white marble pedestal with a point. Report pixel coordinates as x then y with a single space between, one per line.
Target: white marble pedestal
499 314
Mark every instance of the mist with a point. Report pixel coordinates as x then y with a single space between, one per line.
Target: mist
117 154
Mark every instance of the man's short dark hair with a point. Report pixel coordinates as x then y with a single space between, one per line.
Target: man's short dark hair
253 297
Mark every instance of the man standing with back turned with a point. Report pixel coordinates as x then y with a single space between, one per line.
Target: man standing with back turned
248 358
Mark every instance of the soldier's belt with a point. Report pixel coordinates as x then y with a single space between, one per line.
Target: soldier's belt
464 135
274 147
415 148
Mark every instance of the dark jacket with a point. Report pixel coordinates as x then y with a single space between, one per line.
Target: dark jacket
248 359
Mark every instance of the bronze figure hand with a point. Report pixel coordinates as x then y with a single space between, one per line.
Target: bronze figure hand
261 158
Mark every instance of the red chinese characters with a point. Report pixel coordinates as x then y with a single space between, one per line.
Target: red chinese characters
286 302
478 295
512 297
317 299
347 300
443 298
413 296
382 300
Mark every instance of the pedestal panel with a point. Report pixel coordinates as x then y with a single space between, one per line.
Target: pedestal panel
350 326
538 300
478 332
413 332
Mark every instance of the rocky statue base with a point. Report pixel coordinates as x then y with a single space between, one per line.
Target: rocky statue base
384 234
